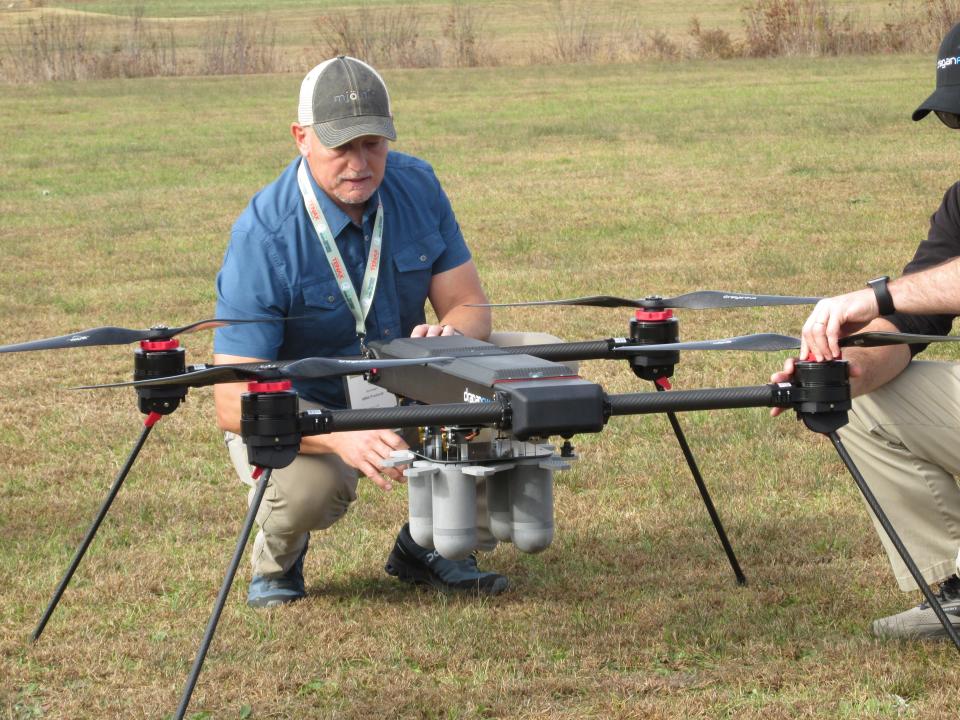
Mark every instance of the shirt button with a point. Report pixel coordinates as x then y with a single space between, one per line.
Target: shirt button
330 298
366 238
387 332
423 258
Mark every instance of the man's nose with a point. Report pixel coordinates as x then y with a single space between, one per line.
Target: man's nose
357 159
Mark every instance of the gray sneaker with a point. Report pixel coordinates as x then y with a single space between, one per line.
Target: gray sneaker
921 621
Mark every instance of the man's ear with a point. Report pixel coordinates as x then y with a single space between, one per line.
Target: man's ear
299 133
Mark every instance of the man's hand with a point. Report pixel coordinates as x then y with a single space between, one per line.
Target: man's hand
364 449
834 318
434 331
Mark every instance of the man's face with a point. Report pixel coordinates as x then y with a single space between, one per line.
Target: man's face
349 174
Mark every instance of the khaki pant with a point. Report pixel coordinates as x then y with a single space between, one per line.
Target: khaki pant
905 439
314 491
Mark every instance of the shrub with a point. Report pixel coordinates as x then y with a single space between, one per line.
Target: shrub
713 43
234 47
385 37
462 31
576 37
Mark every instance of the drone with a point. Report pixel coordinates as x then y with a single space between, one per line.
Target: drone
483 418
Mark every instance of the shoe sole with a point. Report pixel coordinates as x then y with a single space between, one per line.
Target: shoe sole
416 576
273 602
925 625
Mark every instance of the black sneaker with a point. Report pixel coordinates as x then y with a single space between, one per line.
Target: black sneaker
921 621
410 563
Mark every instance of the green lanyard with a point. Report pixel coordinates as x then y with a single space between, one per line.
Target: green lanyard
358 307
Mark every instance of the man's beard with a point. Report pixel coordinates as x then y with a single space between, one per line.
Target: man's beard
352 200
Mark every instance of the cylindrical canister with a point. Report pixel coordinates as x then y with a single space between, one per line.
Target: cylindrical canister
531 506
485 538
454 512
420 501
498 505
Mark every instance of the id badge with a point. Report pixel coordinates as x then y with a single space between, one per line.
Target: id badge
362 394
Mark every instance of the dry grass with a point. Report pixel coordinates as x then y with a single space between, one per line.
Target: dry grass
781 176
80 40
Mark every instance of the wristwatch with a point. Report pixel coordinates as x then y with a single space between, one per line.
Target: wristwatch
884 299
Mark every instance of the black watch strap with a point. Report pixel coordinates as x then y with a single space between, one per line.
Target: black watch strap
884 299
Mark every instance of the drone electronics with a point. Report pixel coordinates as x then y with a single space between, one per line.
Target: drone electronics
484 415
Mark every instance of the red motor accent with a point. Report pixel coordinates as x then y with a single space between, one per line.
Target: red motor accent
664 383
654 315
269 387
158 345
257 472
152 419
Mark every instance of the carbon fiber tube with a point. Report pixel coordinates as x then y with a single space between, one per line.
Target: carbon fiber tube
683 400
557 352
414 416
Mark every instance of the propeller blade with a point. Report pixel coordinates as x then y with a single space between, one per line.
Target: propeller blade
123 336
591 300
769 342
306 369
83 338
763 342
318 367
699 300
876 339
713 299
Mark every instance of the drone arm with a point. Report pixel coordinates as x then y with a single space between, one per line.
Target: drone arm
779 395
315 422
560 352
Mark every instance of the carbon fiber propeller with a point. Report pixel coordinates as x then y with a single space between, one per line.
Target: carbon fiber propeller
767 342
699 300
122 336
305 369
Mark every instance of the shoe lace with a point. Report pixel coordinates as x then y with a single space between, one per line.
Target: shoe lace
948 591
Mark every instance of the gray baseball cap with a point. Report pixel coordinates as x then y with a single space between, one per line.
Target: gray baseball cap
344 98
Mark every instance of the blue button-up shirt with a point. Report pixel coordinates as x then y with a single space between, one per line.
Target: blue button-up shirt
274 266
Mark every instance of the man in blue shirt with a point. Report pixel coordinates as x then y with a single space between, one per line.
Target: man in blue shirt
351 238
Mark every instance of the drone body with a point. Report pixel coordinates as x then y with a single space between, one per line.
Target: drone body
545 398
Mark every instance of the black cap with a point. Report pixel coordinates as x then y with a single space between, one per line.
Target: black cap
946 98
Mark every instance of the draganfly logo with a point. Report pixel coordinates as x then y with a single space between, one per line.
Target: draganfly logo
78 338
739 297
470 397
946 62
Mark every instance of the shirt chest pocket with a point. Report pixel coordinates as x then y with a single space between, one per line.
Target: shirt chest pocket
414 264
326 315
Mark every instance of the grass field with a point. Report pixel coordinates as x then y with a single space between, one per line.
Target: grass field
779 176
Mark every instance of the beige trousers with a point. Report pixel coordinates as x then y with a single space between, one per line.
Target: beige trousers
905 439
314 491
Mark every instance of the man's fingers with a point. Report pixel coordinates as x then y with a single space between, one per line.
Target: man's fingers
394 440
374 474
832 332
